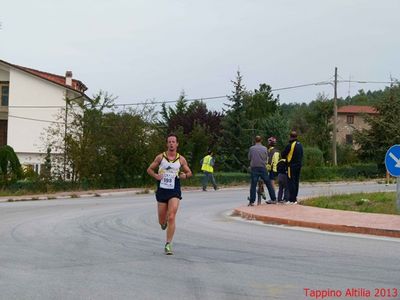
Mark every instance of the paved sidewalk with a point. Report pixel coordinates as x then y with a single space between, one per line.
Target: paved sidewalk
324 219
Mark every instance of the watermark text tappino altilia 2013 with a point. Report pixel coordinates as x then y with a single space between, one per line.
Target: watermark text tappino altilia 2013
348 293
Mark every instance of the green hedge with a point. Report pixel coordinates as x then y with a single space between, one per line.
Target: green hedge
313 157
37 186
355 171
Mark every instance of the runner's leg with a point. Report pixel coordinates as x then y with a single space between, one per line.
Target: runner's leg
162 212
173 205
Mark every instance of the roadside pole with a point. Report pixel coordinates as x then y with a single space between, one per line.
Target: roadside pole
398 193
392 163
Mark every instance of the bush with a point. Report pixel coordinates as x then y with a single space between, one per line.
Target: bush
354 171
40 186
313 157
346 155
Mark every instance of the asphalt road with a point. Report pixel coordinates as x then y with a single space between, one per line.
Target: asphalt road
112 248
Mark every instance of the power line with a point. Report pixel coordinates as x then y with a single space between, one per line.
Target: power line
364 81
174 101
301 85
35 106
33 119
188 100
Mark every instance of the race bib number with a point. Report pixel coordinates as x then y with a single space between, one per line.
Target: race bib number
168 181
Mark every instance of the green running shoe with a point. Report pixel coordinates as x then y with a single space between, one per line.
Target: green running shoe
168 249
164 226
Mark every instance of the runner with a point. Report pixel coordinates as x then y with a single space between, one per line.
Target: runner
168 192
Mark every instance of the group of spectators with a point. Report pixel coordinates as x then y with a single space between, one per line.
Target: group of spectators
268 164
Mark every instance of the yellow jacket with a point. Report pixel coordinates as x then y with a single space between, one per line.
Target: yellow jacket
273 159
208 163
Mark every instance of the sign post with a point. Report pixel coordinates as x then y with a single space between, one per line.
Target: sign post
392 163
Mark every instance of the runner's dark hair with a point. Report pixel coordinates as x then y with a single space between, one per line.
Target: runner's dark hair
172 134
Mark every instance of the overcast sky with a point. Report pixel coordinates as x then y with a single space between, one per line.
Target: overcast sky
142 49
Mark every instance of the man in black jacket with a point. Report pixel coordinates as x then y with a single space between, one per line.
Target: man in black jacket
293 154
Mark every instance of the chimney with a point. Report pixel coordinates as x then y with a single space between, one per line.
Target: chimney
68 78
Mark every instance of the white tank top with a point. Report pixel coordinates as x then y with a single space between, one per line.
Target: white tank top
170 170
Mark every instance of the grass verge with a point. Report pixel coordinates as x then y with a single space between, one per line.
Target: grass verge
381 203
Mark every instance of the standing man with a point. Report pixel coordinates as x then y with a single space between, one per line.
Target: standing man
293 154
168 192
258 155
207 166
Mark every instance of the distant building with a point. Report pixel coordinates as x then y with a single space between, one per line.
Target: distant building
30 101
349 119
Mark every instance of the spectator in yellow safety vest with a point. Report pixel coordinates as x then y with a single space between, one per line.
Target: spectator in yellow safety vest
273 158
207 166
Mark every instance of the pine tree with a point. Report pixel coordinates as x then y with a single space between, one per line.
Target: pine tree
236 134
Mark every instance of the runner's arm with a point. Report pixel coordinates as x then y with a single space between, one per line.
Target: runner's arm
186 172
153 166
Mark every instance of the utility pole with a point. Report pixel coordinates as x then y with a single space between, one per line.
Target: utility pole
65 136
334 154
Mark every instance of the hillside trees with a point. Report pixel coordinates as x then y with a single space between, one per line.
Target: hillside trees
105 147
383 131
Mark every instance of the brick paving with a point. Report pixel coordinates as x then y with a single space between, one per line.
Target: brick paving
324 219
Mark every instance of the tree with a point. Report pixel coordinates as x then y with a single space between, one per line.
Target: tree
129 144
275 125
318 116
312 122
237 133
249 114
169 113
383 128
198 128
260 104
75 150
106 148
10 167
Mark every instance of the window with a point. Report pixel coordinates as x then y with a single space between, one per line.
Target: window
350 119
4 91
349 139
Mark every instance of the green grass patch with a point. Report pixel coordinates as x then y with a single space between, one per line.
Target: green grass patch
381 203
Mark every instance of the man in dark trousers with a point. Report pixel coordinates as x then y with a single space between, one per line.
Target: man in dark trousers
293 154
258 155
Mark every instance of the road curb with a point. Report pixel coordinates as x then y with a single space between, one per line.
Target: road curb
76 195
315 225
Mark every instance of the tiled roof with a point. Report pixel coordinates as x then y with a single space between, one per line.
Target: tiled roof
76 84
357 109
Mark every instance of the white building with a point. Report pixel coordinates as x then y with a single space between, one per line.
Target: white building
30 100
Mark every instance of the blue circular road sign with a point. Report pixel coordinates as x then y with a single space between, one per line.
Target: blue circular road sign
392 160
